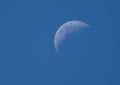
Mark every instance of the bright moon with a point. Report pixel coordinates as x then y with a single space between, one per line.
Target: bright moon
66 30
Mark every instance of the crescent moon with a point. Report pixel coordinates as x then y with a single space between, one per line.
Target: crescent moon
66 30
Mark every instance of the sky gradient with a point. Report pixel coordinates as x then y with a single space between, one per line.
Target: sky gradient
27 53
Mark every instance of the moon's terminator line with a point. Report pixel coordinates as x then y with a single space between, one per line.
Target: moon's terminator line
66 30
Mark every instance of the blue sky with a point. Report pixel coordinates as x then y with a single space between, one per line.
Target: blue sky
27 54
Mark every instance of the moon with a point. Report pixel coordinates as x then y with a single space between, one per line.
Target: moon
66 30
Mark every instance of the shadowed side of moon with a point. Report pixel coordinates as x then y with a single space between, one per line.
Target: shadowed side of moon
69 35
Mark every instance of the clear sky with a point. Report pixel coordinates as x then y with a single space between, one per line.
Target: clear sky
27 54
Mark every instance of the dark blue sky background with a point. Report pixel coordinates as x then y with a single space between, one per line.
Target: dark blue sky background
27 54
